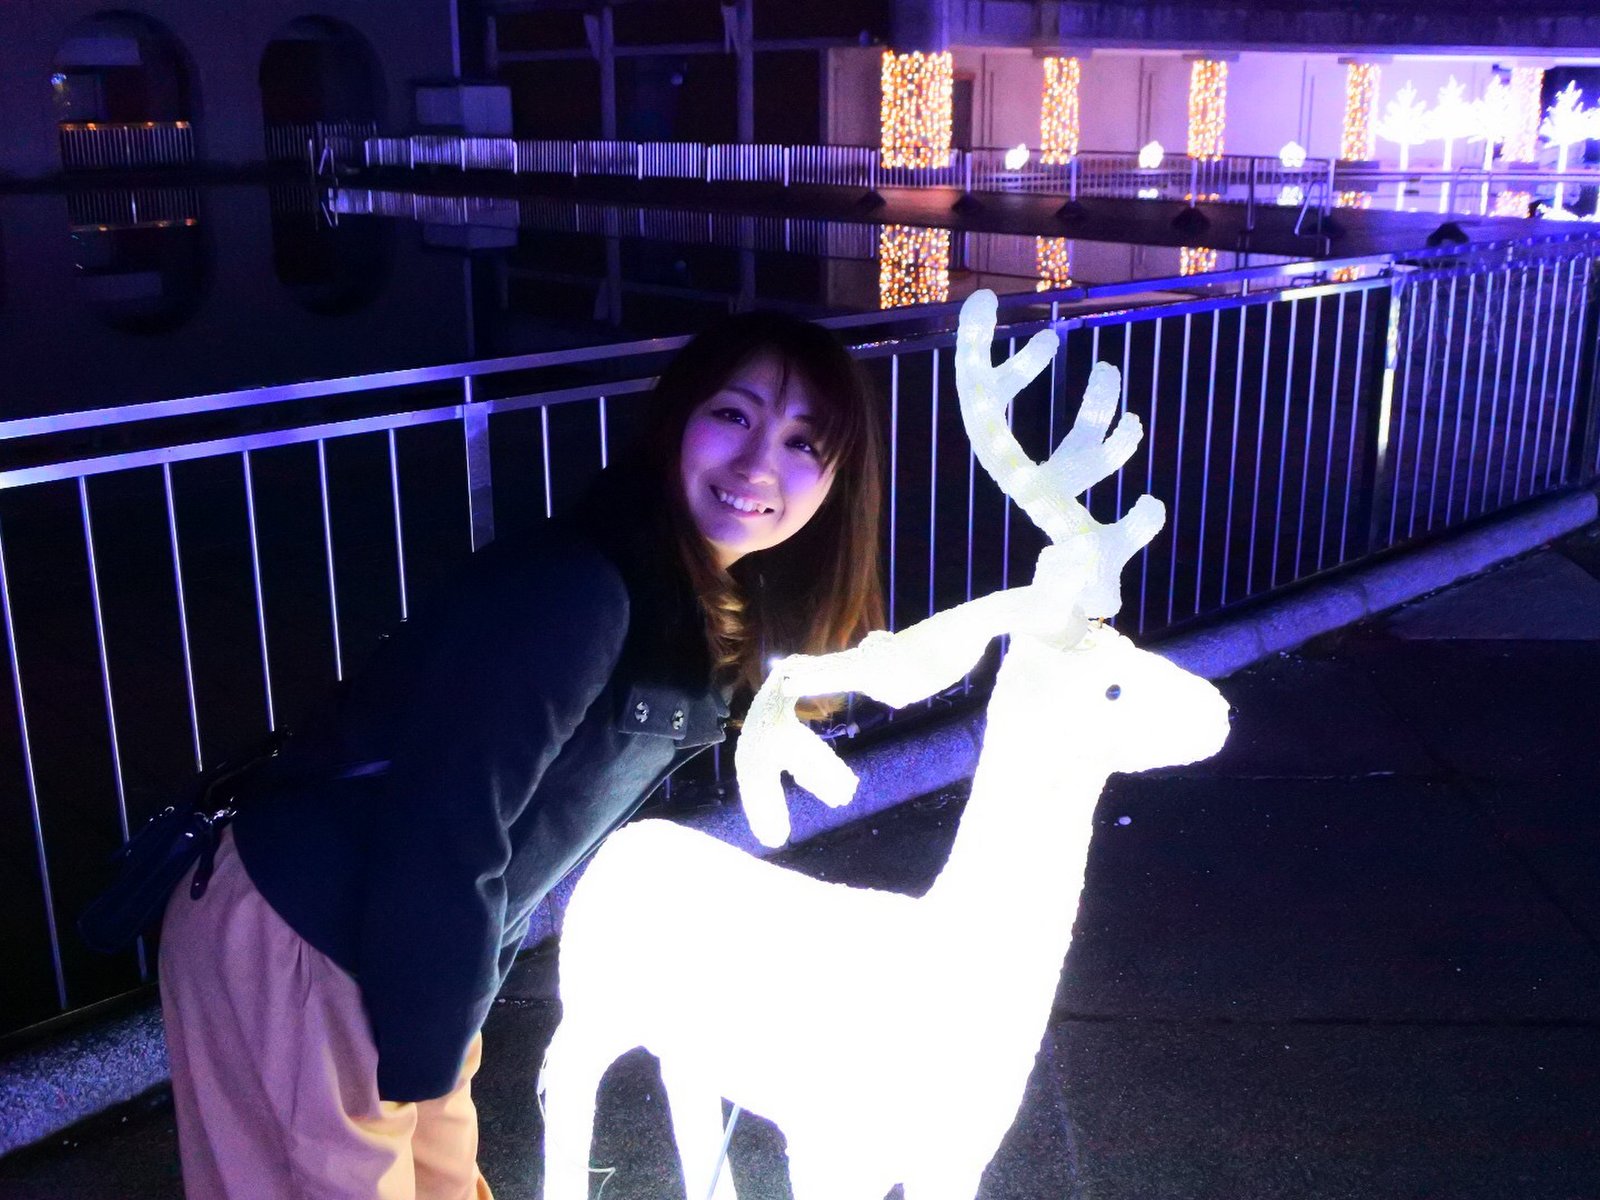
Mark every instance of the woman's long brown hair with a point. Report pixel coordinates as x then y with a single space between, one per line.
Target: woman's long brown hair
822 589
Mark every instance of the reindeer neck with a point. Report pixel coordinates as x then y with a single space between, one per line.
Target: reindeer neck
1020 851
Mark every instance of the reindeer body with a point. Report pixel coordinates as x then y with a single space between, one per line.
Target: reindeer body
889 1037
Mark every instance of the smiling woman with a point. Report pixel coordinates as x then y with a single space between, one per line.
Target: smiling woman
323 995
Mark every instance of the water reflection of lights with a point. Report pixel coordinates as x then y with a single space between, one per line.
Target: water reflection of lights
913 266
1196 260
1353 200
1054 256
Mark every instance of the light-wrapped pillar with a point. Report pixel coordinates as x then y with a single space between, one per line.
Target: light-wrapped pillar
1358 140
1058 110
1527 107
918 93
1208 107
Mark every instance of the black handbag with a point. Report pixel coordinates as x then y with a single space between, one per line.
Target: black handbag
180 838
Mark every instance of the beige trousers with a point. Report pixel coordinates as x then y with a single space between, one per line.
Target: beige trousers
274 1073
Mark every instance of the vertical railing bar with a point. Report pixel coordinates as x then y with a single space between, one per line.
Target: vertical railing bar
1511 390
1405 404
255 576
1233 452
1005 529
1544 387
1477 397
933 473
1528 391
1205 462
1283 444
1127 359
105 685
544 455
1422 408
183 616
1177 487
1261 427
894 478
1333 427
1494 395
399 531
1058 385
32 783
605 453
1311 422
1444 388
327 551
1150 460
1557 408
1461 393
1571 383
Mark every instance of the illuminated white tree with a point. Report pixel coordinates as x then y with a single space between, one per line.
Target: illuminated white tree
1567 123
805 1001
1405 122
1495 118
1453 117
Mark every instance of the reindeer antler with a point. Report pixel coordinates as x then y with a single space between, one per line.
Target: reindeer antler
1046 491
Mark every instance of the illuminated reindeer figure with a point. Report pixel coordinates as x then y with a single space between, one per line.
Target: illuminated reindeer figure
890 1037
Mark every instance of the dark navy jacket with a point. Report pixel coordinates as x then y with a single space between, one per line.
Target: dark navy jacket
491 746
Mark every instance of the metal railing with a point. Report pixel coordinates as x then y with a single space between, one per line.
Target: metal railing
306 142
1249 178
125 145
178 576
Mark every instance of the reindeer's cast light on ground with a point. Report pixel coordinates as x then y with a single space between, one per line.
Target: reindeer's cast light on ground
809 1002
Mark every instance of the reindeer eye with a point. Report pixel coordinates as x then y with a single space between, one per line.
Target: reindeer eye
1113 691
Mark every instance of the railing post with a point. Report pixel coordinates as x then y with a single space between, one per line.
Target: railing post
1377 461
1072 177
1586 399
480 488
786 150
967 187
1250 197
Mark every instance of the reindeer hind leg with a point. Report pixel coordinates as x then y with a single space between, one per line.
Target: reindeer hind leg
569 1085
697 1126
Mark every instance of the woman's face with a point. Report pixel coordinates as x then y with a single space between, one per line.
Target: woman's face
751 470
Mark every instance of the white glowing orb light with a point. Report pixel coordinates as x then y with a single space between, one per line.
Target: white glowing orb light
1291 195
1292 156
1148 193
1150 155
1017 157
808 1002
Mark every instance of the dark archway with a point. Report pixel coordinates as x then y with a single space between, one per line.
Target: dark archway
124 94
320 81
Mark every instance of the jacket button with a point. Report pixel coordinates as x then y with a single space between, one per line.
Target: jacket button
677 719
641 712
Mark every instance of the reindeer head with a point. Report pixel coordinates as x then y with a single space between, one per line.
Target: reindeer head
1047 491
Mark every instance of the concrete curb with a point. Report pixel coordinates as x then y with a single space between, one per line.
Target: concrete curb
46 1089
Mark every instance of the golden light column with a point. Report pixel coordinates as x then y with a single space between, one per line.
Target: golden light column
1058 111
917 97
1208 107
913 266
1358 140
1527 107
